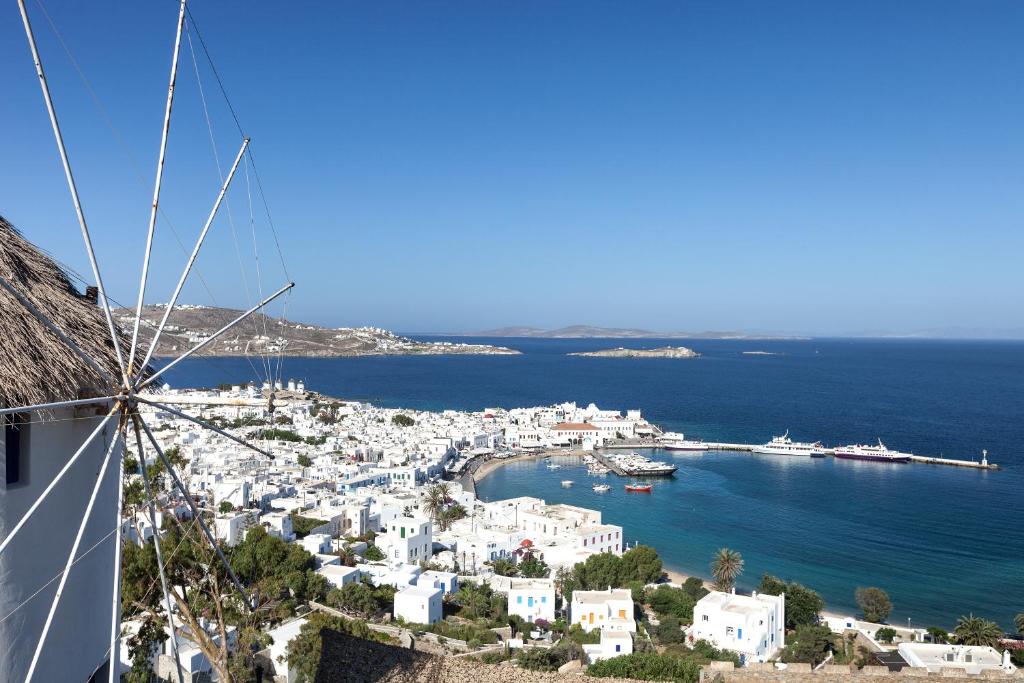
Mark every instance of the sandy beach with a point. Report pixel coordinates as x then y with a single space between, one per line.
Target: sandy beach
495 463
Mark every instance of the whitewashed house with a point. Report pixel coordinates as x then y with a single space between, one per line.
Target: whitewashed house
339 575
753 626
418 605
613 644
448 582
408 540
965 659
610 610
532 599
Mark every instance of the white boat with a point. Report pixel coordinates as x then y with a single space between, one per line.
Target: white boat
879 453
553 466
672 441
567 483
783 445
602 488
597 469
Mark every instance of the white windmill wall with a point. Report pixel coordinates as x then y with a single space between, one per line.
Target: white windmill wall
79 637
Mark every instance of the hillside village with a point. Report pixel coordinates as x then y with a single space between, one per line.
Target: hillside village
378 505
190 324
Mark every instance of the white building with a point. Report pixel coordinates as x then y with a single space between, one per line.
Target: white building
610 610
232 527
408 540
751 625
613 644
969 659
316 543
532 599
338 575
448 582
418 605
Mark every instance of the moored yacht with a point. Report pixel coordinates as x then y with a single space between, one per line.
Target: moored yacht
879 453
783 445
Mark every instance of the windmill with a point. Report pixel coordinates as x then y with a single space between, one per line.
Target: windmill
72 389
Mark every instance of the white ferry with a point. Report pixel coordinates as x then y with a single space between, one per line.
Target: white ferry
879 453
602 488
672 441
783 445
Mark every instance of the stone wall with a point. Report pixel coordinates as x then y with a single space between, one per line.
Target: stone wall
724 672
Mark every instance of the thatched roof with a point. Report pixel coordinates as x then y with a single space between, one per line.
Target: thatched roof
36 366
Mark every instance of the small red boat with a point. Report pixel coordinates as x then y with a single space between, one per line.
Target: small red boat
639 488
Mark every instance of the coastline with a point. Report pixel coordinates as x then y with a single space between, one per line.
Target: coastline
495 463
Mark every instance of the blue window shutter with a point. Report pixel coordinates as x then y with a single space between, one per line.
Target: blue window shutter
739 633
519 600
618 648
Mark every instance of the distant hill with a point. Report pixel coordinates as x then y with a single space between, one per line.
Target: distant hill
189 325
589 331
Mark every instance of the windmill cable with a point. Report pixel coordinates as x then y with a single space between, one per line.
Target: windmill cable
67 466
156 542
125 150
72 187
115 601
216 159
157 185
197 514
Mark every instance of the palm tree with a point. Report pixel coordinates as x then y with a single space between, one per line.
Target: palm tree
726 568
1018 621
974 630
434 500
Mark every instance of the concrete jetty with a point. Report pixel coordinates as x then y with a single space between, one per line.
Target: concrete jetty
983 464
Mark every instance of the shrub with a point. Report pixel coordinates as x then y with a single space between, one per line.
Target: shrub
669 631
885 634
647 666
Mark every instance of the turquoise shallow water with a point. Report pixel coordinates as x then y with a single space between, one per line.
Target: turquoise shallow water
943 541
831 524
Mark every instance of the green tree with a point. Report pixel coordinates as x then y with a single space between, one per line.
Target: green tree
803 605
694 586
435 499
666 600
373 554
472 600
355 598
726 567
304 460
873 602
885 634
669 630
648 666
972 630
809 644
939 635
641 563
225 507
599 572
403 420
533 568
566 583
504 567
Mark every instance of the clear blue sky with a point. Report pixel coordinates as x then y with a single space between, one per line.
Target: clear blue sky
818 167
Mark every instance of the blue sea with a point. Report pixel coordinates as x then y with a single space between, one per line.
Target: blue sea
942 541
